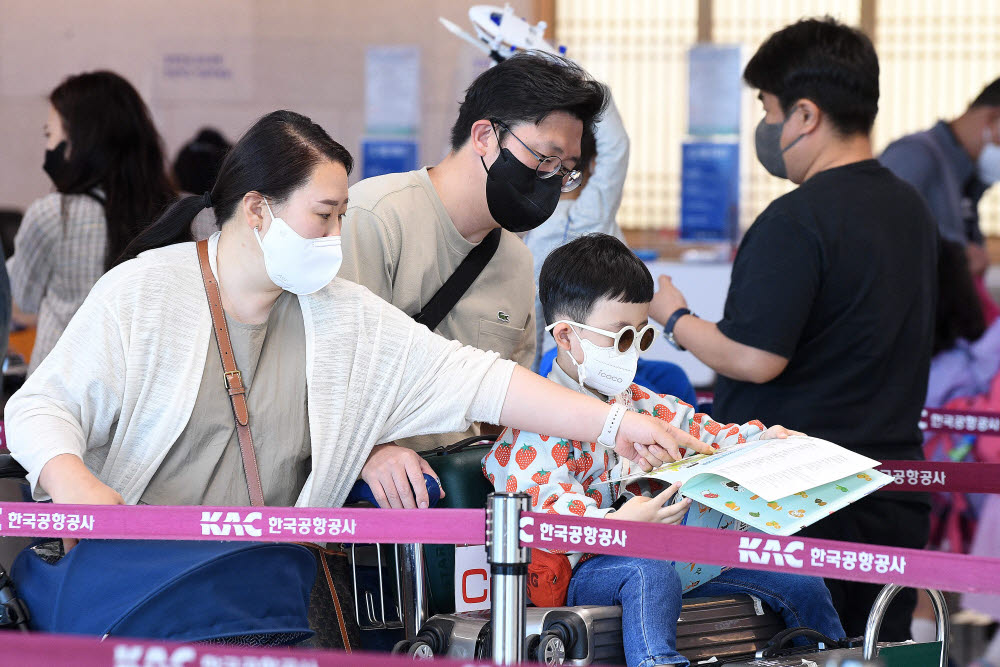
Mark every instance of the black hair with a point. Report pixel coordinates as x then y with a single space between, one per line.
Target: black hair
113 146
526 88
275 157
990 97
959 311
197 163
577 275
825 61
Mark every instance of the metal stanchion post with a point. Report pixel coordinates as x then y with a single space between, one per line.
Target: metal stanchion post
413 588
881 606
508 569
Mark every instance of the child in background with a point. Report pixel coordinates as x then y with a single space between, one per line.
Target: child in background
595 294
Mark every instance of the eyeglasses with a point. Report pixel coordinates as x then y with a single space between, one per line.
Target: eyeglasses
549 166
642 338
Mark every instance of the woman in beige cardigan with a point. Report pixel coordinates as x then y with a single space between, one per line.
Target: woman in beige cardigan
131 406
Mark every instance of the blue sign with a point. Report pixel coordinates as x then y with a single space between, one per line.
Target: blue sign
710 191
389 156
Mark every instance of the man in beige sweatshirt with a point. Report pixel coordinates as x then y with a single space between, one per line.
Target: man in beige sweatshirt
514 150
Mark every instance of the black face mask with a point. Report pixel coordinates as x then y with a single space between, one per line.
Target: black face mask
518 200
55 164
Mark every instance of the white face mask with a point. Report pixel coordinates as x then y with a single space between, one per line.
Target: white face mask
301 266
988 164
604 369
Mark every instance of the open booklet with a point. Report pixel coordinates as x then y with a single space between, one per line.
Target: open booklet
776 486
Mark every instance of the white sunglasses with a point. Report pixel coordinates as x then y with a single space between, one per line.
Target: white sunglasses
624 339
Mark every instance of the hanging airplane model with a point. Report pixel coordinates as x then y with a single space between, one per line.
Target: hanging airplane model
499 33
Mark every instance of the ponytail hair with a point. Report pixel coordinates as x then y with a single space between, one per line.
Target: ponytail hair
275 157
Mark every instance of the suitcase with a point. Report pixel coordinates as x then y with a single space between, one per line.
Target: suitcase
830 653
725 628
838 657
575 636
721 628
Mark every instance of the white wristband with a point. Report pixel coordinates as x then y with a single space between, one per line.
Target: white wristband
611 426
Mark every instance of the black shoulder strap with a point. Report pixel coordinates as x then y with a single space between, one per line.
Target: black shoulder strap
459 282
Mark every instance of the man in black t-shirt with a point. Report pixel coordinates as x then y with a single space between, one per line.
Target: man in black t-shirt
829 320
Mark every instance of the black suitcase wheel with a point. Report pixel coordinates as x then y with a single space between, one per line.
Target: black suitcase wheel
551 649
417 649
531 646
420 650
484 643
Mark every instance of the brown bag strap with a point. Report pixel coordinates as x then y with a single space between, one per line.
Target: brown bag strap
232 377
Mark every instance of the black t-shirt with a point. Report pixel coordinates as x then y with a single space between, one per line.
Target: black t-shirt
839 277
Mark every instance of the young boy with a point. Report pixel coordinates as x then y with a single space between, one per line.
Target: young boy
595 294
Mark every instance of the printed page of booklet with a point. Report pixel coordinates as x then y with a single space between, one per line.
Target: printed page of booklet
772 469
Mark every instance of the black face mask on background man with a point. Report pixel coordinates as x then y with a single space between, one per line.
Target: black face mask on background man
518 200
56 164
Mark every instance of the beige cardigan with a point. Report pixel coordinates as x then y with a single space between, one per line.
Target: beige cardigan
119 386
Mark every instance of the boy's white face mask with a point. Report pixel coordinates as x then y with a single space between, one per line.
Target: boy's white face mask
300 266
604 369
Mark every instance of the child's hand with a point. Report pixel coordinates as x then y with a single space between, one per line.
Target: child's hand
674 514
655 509
778 432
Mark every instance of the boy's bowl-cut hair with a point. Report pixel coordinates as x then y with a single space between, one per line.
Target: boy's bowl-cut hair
580 273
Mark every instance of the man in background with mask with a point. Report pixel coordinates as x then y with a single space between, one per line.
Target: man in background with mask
952 165
829 320
514 150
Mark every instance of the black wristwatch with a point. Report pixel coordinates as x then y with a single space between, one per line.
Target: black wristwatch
668 329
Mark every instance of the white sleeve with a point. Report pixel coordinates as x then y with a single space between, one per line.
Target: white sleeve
445 386
75 395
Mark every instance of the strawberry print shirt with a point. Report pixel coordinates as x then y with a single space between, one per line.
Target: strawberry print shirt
571 477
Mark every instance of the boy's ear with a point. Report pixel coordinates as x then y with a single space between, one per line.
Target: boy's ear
562 334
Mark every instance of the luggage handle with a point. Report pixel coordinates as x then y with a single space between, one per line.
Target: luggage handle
465 443
783 638
10 468
881 606
361 492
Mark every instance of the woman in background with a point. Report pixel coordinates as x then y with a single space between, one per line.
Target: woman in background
194 171
105 159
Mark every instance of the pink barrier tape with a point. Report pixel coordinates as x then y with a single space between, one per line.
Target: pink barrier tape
257 524
794 555
960 421
938 419
942 476
56 650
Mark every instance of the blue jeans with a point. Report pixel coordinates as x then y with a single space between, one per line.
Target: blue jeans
649 592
